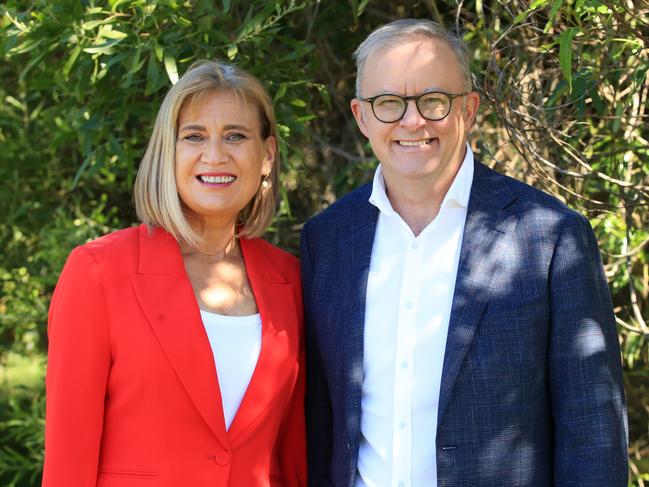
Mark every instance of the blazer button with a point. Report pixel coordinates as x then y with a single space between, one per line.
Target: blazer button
223 458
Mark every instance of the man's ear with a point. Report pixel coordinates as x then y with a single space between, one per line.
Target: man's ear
359 115
472 103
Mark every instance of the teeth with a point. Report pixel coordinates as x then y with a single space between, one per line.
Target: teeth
217 179
414 143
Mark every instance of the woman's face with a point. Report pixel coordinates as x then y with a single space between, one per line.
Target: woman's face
220 156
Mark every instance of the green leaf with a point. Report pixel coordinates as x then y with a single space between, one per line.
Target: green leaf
361 7
553 13
152 76
298 103
525 13
565 54
171 68
104 48
108 32
226 6
81 170
159 52
91 24
281 91
232 51
67 67
18 104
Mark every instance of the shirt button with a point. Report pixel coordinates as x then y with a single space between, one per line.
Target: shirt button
401 484
402 424
404 364
222 458
414 246
408 304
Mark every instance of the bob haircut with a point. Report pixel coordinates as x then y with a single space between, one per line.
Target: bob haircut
402 31
157 202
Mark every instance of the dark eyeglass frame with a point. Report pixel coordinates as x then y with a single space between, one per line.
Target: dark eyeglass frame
415 98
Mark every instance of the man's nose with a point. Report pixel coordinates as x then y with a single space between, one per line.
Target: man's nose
412 119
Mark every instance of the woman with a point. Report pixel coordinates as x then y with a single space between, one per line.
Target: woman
175 348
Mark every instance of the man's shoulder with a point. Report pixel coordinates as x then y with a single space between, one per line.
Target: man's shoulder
526 200
341 209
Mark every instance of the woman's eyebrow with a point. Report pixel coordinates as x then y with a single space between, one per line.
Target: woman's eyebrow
198 128
235 126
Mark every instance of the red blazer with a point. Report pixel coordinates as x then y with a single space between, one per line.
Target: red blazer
132 393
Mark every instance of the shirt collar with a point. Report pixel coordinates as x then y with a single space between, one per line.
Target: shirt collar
459 191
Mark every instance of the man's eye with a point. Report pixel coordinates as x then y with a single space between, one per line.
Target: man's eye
433 101
389 102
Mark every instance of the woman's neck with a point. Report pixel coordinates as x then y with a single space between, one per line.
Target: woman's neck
215 241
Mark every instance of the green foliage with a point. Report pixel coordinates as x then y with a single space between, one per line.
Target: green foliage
564 87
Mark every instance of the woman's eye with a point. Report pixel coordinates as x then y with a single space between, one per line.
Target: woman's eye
235 137
193 137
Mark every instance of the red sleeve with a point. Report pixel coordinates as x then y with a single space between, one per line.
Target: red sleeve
77 374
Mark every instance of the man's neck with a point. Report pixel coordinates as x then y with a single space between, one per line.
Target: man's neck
417 206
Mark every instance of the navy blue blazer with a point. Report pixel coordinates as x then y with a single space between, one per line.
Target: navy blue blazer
531 391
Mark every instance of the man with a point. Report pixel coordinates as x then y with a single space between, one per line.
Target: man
459 326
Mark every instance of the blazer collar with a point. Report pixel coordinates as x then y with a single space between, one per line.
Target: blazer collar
169 304
358 243
488 224
276 300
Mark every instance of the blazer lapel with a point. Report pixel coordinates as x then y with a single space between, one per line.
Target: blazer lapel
167 299
275 299
484 241
356 252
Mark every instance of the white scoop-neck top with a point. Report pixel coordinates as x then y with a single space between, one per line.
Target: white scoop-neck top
236 344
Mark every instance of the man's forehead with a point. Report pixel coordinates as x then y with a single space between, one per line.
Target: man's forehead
415 66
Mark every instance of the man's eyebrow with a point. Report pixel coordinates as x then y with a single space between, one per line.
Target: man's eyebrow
432 89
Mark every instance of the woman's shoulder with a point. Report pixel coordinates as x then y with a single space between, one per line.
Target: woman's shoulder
119 242
116 250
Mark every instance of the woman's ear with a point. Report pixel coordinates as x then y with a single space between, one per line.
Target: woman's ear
270 150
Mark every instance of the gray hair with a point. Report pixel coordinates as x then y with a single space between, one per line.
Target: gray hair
402 31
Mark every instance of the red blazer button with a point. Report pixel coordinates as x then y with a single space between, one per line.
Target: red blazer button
223 458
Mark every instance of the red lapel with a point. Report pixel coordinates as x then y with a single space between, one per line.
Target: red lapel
167 298
276 302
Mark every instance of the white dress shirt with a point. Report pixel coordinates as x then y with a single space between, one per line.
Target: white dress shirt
236 344
409 295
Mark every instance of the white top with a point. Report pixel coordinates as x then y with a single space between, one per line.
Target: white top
409 295
236 343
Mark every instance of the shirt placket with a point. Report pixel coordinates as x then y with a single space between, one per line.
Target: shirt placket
404 361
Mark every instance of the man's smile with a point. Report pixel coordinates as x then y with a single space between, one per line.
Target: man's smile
415 142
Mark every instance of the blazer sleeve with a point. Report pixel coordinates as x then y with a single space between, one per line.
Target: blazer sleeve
587 394
319 421
77 374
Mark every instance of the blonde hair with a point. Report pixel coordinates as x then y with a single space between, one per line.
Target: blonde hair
157 202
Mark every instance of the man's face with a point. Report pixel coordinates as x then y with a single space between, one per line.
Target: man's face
415 150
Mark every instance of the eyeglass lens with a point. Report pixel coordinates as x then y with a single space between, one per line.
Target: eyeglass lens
433 106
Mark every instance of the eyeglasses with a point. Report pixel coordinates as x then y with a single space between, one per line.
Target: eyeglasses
433 106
